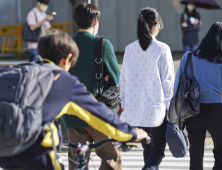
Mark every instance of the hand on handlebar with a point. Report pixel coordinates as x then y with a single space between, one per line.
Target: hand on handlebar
141 134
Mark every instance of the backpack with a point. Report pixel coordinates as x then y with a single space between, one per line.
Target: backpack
23 89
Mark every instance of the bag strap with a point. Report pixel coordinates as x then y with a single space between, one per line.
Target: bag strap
36 19
188 61
179 118
185 72
191 66
99 63
53 144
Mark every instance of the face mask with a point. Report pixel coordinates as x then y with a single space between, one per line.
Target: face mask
43 8
191 7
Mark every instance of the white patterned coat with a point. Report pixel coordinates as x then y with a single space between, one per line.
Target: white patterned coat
146 82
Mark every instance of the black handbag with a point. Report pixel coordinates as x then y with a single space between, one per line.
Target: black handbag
185 103
28 34
109 97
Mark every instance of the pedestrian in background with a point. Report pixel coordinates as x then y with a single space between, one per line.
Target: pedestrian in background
190 25
146 82
207 66
86 17
37 18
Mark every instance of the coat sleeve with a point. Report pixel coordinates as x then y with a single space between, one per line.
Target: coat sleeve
83 105
122 84
110 64
188 28
167 75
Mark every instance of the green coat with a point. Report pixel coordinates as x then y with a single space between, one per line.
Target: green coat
85 70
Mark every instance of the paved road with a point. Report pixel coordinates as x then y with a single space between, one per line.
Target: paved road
133 160
12 62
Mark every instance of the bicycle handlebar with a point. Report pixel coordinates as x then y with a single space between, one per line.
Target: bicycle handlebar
100 143
146 140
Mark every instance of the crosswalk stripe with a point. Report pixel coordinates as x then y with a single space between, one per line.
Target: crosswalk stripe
133 160
140 157
210 154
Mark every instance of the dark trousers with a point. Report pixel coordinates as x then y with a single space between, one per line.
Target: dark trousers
146 148
209 119
154 153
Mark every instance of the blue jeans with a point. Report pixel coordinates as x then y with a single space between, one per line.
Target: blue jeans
34 54
187 48
155 153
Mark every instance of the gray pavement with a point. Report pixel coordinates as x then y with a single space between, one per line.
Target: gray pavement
133 160
12 62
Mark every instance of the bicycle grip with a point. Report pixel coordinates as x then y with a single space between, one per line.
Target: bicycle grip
146 140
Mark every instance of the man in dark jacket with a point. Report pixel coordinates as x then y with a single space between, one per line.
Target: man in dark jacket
86 18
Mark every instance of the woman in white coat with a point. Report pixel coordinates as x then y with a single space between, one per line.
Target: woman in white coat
146 83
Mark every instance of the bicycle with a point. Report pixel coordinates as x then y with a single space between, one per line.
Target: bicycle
81 149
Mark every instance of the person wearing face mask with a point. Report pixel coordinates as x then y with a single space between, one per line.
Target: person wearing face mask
37 18
190 25
146 84
86 17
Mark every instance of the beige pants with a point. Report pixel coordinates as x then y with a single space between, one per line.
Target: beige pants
110 156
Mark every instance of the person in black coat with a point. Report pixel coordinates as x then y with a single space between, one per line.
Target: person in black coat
190 25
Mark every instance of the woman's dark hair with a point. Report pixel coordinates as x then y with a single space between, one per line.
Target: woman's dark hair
56 45
211 45
44 1
84 15
147 19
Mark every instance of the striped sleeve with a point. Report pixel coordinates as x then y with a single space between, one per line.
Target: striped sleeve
83 105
